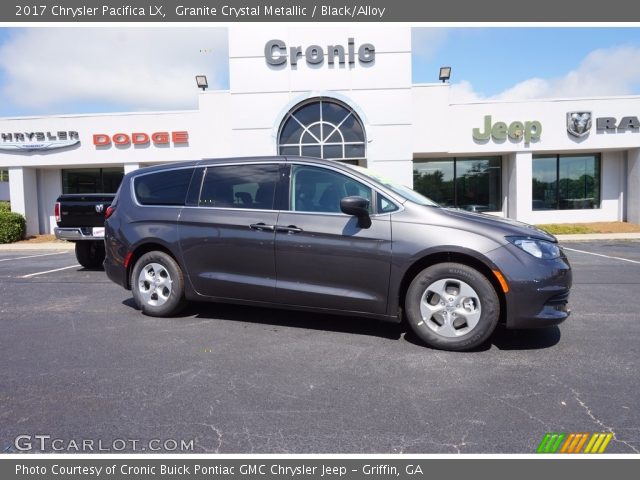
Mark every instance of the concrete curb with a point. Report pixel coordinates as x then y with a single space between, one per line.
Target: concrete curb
21 247
585 237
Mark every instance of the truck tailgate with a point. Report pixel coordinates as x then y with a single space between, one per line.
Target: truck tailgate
83 210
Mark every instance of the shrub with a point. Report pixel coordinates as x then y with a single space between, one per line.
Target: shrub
12 227
5 207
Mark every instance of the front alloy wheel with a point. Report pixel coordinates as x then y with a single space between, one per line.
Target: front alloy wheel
452 306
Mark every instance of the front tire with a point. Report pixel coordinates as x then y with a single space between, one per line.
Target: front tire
90 253
452 306
157 284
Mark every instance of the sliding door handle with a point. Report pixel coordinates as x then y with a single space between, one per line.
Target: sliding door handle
288 229
263 227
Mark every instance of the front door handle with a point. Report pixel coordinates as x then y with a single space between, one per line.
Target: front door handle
288 229
263 227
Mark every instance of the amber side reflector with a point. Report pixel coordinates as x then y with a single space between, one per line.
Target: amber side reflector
501 280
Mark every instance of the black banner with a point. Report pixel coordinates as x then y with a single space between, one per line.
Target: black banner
323 11
307 468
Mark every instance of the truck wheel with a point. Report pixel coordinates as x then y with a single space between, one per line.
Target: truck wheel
90 254
451 306
157 284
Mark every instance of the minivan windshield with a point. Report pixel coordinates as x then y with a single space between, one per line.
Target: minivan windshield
401 190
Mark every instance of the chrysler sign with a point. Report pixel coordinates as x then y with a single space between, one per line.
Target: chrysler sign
38 141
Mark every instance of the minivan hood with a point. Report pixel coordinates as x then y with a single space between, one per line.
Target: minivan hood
502 226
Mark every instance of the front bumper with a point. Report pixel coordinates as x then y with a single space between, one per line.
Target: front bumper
538 289
76 233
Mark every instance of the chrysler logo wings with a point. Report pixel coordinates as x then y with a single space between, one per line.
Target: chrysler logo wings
33 141
32 147
578 123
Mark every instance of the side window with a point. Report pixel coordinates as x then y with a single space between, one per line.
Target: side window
168 187
385 205
240 186
316 189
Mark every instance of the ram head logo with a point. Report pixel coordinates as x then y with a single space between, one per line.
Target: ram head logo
578 123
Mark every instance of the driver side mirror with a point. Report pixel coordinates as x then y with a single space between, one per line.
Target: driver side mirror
358 207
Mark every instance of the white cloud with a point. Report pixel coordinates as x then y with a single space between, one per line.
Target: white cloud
136 68
612 71
426 42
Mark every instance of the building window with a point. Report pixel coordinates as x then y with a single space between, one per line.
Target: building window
323 128
4 175
91 180
566 182
472 184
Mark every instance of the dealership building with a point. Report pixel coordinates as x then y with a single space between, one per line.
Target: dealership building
346 93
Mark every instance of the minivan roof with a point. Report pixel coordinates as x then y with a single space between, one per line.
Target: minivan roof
276 158
258 159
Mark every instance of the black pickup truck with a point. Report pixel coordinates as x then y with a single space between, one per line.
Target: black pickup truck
80 219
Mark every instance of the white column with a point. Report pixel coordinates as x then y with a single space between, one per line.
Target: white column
130 167
49 188
633 186
23 190
520 168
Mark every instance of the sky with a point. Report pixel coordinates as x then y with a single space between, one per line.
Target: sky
527 63
59 70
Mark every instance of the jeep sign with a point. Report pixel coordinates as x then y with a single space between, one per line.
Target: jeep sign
516 131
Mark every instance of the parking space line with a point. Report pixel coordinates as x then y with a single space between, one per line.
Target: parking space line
601 255
32 256
49 271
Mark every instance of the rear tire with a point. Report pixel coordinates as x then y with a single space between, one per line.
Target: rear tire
157 284
90 253
452 306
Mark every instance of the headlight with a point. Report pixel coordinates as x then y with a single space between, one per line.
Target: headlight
536 247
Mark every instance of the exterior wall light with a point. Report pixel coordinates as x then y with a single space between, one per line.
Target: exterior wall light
201 81
445 73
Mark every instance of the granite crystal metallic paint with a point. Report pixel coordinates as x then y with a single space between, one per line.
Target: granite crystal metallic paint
329 262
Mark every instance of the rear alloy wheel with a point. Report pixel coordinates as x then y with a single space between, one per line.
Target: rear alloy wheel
157 284
451 306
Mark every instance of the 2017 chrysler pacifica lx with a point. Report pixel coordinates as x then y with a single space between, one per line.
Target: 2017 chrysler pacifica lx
319 235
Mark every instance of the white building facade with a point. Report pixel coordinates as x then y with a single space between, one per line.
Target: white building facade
345 93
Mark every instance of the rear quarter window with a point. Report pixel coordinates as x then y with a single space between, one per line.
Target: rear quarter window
168 187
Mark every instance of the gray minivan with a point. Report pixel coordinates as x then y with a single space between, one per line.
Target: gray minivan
324 236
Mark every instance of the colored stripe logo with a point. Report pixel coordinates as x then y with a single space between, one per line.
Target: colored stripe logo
554 442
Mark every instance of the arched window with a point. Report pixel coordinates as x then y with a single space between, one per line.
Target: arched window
323 128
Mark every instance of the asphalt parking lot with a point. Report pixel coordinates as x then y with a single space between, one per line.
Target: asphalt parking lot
79 362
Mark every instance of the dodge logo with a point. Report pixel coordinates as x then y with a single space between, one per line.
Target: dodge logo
578 123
